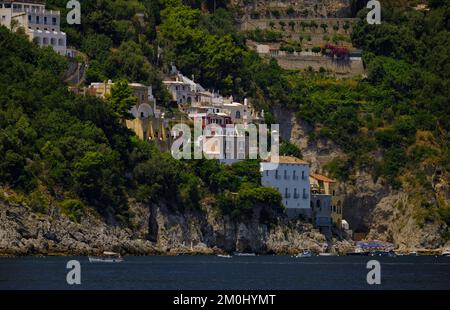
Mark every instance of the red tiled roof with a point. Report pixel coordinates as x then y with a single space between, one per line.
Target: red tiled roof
322 178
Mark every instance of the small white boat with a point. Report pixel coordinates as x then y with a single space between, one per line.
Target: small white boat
243 254
107 257
304 254
446 254
224 256
327 254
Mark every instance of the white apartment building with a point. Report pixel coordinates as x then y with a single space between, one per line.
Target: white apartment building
41 25
291 179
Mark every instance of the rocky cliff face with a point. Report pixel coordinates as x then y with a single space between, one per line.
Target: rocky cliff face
371 207
157 229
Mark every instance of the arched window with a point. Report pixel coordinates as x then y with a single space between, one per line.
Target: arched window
53 41
238 114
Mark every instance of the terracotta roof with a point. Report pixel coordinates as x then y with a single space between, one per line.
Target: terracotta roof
321 178
291 160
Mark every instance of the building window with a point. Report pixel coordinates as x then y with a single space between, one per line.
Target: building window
304 193
238 114
303 175
37 19
29 18
53 41
45 41
267 173
60 42
45 20
286 193
54 21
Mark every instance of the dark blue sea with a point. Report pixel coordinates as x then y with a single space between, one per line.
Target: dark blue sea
211 272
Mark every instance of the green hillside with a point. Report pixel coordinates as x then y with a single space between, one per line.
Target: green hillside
395 123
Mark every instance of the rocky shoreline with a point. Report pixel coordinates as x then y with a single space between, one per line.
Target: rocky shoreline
156 231
159 230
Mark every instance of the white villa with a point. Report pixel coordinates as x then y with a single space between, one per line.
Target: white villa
291 179
41 25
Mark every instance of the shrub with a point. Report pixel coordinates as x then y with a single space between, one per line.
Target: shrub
73 209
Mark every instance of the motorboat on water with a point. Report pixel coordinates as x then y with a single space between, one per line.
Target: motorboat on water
327 254
107 257
304 254
446 254
224 256
243 254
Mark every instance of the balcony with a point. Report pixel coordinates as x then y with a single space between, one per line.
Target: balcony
317 189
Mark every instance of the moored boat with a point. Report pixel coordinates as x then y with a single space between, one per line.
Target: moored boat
107 257
224 256
243 254
446 254
327 254
304 254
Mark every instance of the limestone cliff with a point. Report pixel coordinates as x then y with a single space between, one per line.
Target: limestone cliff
155 229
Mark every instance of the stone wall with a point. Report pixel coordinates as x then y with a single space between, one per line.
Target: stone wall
340 68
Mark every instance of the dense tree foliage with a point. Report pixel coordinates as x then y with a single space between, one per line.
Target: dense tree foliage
392 123
75 151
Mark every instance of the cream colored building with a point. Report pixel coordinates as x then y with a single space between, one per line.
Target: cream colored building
322 185
148 122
